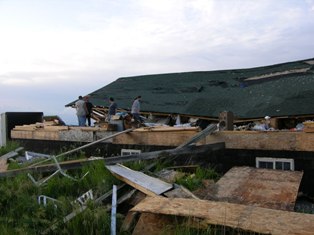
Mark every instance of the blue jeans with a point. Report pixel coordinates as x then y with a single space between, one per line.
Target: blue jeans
81 120
137 117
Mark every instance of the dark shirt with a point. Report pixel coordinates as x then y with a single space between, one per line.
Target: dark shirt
89 107
112 108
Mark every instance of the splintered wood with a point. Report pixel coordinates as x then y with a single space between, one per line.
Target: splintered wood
248 218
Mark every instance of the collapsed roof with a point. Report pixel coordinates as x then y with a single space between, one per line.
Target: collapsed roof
279 90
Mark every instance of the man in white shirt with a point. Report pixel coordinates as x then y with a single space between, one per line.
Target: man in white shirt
135 111
81 111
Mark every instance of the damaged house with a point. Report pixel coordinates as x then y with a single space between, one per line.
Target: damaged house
282 91
265 173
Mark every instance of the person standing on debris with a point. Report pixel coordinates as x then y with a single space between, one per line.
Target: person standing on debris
267 123
89 109
112 108
135 111
81 111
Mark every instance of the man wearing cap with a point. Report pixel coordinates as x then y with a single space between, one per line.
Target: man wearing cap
267 122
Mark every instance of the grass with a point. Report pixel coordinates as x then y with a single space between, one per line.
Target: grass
194 181
10 146
21 214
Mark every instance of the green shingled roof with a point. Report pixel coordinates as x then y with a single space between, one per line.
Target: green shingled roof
277 90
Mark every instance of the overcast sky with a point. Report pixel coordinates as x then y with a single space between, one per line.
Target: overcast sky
51 51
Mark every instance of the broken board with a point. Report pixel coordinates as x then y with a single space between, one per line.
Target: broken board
145 183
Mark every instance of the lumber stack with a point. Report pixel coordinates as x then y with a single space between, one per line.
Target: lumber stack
308 126
47 126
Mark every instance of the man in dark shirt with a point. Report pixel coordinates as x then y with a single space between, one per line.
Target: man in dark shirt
112 108
89 110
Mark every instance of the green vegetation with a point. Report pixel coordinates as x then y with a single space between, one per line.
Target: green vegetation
10 146
194 181
21 214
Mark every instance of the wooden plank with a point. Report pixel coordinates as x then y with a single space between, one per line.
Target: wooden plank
145 183
87 128
305 141
46 135
56 128
167 128
207 131
274 189
249 218
19 134
264 140
25 128
170 138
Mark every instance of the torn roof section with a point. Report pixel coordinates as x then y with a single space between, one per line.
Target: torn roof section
279 90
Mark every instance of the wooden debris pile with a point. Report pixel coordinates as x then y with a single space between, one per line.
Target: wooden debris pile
46 125
308 126
236 201
237 204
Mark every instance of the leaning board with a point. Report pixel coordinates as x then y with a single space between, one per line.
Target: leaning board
145 183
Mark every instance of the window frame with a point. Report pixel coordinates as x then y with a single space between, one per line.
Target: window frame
125 152
274 161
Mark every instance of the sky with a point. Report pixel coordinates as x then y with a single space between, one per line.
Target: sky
52 51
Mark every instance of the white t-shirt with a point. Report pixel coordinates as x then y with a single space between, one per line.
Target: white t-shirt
80 108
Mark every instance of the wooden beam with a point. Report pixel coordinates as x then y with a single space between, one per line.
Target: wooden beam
249 218
265 140
207 131
145 183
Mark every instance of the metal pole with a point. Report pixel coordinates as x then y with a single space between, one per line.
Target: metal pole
114 210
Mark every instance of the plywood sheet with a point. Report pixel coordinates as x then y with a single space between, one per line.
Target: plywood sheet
249 218
145 183
268 188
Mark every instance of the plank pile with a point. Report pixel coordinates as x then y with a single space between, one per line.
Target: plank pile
308 126
47 126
